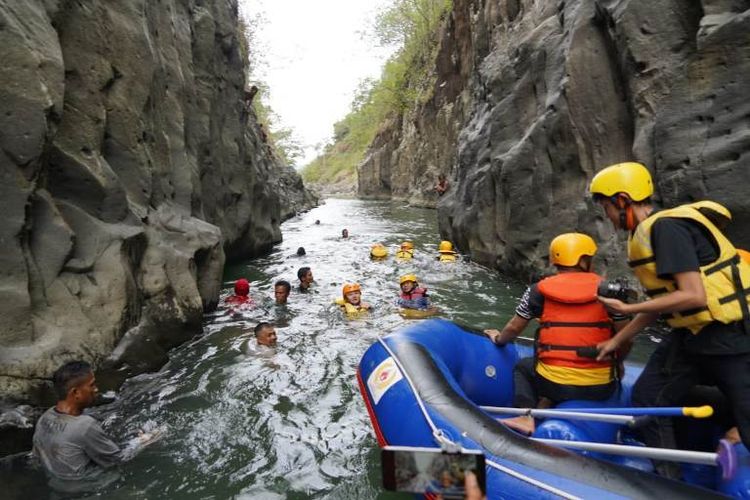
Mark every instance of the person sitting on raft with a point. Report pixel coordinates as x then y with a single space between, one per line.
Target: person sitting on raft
405 251
571 322
447 254
241 295
412 295
378 252
351 300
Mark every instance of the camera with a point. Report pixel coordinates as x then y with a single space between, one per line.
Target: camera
618 289
431 470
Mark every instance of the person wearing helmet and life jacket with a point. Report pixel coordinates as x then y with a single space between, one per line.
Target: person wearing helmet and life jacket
405 251
697 282
351 300
412 295
571 324
241 293
378 252
446 252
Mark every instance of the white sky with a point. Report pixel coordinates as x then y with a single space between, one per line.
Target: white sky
314 57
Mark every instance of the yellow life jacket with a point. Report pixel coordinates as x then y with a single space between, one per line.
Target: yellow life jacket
404 254
350 309
726 280
447 257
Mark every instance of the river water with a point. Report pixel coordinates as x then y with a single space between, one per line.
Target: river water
289 423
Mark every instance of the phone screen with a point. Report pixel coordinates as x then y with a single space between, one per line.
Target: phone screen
429 470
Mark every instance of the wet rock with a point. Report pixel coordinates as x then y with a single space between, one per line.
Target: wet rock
129 171
541 95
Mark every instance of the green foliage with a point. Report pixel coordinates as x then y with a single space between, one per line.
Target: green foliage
282 139
405 82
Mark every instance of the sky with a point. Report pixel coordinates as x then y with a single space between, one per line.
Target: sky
314 54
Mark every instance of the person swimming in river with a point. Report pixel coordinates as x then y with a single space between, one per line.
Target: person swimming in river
412 295
344 234
265 334
281 291
378 252
305 276
351 300
446 252
241 298
405 251
72 447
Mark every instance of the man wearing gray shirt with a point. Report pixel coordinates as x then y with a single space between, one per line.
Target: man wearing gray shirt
72 447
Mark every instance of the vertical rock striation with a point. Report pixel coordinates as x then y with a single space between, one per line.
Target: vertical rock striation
540 95
129 170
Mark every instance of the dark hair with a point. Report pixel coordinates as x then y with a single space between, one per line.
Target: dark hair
260 326
287 286
301 251
302 272
68 376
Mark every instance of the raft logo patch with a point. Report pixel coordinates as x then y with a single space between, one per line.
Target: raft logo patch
385 375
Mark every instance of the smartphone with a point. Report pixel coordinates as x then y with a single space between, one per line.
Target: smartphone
430 470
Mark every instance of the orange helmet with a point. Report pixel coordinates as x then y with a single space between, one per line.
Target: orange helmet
351 287
445 247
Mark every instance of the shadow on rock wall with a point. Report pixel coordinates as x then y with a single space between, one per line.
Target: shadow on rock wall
129 168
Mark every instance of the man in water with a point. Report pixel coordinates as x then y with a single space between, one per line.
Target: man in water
265 334
72 447
281 291
344 233
305 276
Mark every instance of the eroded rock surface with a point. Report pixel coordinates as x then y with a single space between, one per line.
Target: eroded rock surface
532 98
129 171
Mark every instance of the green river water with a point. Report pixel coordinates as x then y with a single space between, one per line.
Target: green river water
290 423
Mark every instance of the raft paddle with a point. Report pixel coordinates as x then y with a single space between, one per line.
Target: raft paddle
677 411
726 458
628 420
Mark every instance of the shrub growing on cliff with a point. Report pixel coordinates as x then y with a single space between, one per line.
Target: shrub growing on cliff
406 80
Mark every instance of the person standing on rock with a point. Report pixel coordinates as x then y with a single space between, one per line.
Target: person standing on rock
442 185
571 323
72 447
697 282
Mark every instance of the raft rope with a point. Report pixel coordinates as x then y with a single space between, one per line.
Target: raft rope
450 446
538 484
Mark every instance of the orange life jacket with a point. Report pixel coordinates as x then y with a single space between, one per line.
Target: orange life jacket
572 318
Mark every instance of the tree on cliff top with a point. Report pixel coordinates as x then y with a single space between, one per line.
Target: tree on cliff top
406 81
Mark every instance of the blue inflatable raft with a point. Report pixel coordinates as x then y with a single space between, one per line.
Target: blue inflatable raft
424 385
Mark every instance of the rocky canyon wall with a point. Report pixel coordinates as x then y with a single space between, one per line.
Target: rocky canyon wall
542 94
130 170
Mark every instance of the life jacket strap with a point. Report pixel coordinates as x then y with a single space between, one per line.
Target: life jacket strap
642 262
576 324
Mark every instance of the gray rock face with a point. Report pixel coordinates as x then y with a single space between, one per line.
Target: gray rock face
547 93
129 171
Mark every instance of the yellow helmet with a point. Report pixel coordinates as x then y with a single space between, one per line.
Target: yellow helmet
407 245
630 178
567 249
351 287
379 251
407 277
445 246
